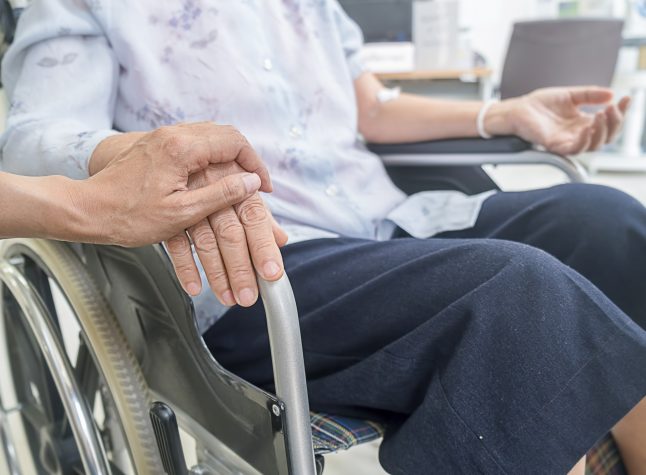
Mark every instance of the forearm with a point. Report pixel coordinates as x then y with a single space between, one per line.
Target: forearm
410 118
44 207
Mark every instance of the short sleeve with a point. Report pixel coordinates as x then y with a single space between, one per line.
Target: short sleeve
351 38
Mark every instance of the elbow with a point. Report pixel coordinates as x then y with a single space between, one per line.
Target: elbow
371 131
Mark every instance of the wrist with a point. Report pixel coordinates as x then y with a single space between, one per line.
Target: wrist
500 118
111 147
75 206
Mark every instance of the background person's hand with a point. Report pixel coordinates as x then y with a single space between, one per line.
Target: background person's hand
556 118
230 243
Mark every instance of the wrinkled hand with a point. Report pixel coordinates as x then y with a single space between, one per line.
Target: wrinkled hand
553 118
150 187
227 243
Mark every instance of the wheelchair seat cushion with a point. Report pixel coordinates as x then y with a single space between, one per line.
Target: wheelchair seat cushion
604 459
334 433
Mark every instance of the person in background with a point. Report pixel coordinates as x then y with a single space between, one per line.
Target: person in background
497 333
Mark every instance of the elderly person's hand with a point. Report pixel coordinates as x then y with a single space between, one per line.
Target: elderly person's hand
556 118
228 241
161 184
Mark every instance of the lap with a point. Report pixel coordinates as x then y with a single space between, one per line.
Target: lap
357 298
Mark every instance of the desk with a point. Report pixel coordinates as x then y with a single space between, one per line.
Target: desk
422 82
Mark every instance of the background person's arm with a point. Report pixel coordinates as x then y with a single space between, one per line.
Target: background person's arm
548 117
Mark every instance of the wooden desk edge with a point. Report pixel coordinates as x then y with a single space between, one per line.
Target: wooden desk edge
436 74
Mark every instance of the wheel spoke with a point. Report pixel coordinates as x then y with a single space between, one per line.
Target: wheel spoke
34 415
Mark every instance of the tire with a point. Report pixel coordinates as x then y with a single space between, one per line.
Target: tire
112 356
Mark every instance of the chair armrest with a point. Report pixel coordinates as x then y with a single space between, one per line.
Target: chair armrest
496 145
475 152
289 371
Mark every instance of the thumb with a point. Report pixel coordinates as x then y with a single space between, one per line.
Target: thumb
214 197
590 95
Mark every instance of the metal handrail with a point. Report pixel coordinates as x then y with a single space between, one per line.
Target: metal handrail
289 371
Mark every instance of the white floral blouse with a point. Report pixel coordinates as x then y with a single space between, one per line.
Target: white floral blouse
281 71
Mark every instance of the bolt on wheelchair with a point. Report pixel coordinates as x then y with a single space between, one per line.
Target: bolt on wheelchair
101 358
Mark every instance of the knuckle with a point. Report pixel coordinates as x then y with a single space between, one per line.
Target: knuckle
178 246
231 130
252 213
218 280
204 240
173 144
241 273
230 231
264 246
231 191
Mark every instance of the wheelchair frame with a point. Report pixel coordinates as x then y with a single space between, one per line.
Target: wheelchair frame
238 428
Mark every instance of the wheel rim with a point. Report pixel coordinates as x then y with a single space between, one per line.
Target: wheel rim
41 417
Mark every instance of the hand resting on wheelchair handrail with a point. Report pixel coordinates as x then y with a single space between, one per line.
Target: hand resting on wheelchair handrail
230 237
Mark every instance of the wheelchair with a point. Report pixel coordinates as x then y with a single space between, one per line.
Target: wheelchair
102 362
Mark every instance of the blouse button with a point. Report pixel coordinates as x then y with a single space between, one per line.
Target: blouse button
295 131
332 190
267 64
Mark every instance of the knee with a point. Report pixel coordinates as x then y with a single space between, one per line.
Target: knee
597 218
519 262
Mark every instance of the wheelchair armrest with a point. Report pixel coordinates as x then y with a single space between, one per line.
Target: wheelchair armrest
471 152
289 370
495 145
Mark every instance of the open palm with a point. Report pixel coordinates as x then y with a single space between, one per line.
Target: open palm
554 119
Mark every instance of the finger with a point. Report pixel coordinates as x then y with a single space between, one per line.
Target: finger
624 104
590 95
181 255
214 143
263 248
614 119
575 145
232 243
197 204
599 131
584 141
280 236
207 250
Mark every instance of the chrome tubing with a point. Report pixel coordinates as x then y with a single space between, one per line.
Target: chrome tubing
289 371
87 438
570 167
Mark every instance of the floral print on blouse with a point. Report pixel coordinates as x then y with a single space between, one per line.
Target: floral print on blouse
281 71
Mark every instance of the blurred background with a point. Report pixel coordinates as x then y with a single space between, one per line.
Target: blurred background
504 48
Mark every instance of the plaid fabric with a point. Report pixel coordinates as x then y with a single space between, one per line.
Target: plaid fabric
333 433
604 459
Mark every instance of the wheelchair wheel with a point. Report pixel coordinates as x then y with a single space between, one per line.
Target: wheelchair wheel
39 428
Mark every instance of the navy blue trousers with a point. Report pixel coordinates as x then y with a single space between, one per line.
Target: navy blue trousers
507 348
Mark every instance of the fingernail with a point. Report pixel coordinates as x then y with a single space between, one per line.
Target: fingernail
251 182
271 269
193 289
228 298
246 297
